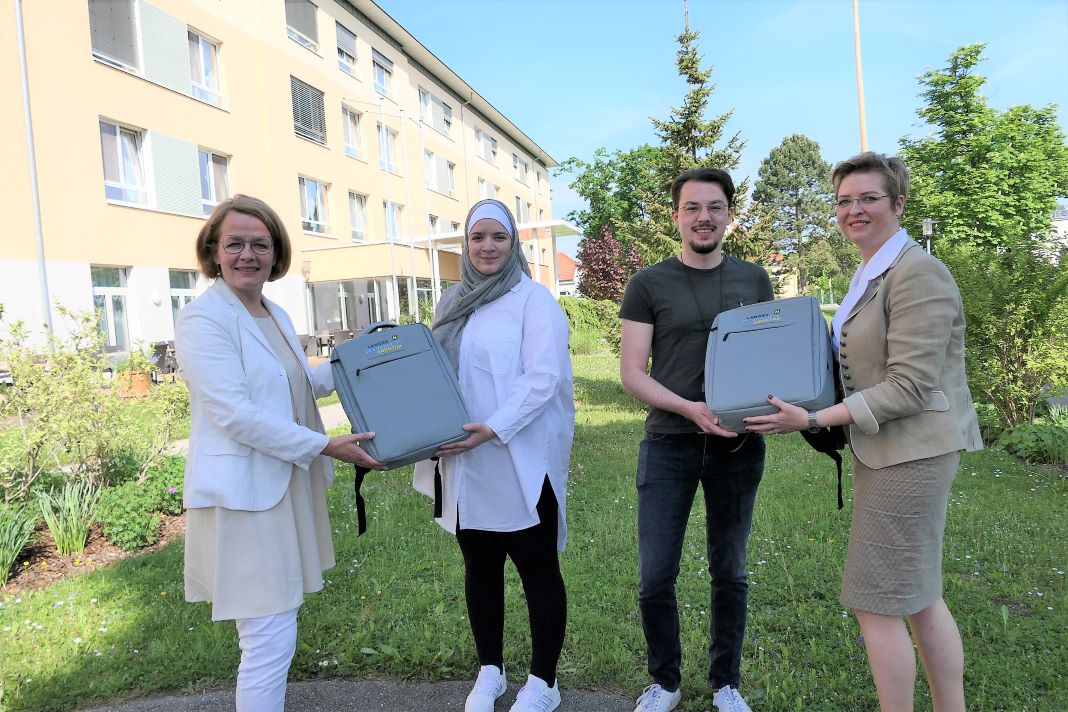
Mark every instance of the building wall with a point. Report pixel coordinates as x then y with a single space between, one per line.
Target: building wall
253 127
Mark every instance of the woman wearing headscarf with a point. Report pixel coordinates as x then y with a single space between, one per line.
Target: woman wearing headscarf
504 486
257 531
899 337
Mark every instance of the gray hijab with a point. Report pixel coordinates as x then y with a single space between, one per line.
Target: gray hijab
477 289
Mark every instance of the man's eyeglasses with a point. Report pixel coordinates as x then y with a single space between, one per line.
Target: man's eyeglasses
259 247
694 209
866 201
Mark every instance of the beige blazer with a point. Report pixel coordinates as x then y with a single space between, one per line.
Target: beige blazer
243 439
901 361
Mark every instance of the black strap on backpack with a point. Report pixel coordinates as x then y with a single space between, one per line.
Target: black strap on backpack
361 506
829 441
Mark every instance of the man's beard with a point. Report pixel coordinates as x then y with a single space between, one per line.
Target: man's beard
705 248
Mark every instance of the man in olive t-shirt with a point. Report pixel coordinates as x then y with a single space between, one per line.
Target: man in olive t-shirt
667 312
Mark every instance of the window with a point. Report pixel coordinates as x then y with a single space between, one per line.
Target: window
383 73
183 289
521 168
309 113
109 300
435 112
522 210
440 173
204 68
300 23
487 189
124 174
387 148
351 120
358 216
486 145
455 226
314 207
392 213
346 50
113 31
435 224
214 186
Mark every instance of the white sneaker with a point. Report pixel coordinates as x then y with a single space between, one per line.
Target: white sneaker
490 684
537 696
727 699
656 699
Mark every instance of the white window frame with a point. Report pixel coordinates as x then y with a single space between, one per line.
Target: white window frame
104 298
521 169
351 120
136 181
451 169
433 224
346 62
486 146
180 296
299 37
382 72
392 214
206 85
358 216
314 194
387 149
522 210
215 193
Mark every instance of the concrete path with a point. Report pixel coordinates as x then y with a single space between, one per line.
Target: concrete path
352 696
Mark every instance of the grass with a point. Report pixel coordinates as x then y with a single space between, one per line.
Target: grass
393 607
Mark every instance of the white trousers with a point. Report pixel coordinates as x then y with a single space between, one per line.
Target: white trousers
267 647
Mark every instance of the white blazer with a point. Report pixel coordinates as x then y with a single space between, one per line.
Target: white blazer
244 440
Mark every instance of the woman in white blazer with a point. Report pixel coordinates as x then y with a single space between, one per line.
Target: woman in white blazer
257 531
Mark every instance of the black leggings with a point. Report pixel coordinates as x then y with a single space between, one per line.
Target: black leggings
533 551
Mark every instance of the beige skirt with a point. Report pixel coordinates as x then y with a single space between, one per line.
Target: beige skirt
252 564
894 565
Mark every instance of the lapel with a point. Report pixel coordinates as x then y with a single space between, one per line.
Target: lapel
873 285
244 319
282 319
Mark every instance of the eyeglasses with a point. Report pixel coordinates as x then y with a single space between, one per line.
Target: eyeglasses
692 210
236 246
866 201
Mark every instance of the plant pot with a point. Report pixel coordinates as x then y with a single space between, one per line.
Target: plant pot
134 384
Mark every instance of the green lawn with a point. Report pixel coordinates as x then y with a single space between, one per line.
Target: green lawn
393 607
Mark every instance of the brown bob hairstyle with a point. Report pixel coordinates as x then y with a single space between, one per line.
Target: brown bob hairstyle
208 239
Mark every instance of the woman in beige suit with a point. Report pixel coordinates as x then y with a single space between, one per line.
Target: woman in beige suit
899 334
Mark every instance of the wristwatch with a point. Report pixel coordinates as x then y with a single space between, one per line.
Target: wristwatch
812 426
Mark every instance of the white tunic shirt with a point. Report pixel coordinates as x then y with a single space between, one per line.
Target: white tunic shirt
515 376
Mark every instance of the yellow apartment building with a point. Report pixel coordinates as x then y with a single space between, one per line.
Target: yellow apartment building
132 119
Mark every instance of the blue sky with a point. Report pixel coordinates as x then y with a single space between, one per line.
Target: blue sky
576 75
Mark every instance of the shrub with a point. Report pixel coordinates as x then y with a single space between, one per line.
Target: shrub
598 317
990 424
17 524
127 517
165 483
1037 442
69 514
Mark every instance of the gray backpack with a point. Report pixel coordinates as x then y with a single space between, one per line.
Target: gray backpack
781 347
397 381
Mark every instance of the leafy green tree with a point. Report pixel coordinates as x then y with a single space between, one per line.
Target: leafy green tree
628 191
792 195
991 181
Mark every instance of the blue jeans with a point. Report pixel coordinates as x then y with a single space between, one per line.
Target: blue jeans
669 470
